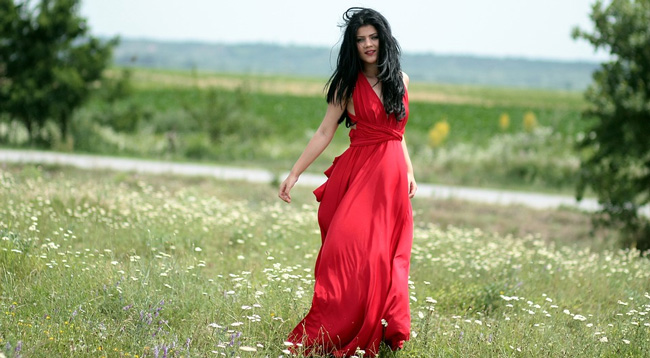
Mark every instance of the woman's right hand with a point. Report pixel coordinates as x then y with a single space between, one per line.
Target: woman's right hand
286 186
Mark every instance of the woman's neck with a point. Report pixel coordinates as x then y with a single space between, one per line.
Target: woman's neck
370 70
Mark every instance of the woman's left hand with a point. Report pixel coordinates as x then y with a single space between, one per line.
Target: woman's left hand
413 186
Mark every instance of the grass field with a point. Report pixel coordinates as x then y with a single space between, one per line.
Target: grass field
103 264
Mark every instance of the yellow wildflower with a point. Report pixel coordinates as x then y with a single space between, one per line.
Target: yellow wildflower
438 133
530 121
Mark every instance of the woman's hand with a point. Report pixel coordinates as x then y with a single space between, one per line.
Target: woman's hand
413 186
286 186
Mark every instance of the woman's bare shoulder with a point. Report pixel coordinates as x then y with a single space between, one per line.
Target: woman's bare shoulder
405 77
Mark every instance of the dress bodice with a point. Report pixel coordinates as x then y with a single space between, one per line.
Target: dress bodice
373 125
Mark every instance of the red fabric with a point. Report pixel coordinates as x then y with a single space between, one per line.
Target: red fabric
366 225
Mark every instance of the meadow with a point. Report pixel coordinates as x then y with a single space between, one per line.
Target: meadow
105 264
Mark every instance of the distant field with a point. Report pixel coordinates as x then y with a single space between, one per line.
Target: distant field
314 86
266 121
296 105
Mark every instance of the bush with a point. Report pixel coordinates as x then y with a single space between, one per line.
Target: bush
541 157
197 146
13 133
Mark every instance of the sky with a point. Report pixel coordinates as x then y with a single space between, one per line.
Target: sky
539 29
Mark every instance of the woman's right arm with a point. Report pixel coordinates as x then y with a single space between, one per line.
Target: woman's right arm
319 141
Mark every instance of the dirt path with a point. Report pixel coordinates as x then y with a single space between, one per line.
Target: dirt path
501 197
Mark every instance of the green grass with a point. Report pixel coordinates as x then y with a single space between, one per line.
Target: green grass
114 264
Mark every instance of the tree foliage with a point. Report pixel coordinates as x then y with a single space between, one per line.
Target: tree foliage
48 61
617 164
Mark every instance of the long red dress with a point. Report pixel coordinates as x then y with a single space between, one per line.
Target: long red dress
366 225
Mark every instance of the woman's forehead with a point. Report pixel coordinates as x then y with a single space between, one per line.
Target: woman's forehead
366 30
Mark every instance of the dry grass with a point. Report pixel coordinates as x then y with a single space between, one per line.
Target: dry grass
564 226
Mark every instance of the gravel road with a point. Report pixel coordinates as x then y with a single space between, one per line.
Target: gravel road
501 197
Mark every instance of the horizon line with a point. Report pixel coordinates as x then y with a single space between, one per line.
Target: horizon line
312 46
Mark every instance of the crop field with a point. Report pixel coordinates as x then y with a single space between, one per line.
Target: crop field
103 264
297 104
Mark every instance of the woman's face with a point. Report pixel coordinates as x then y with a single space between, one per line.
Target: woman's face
368 44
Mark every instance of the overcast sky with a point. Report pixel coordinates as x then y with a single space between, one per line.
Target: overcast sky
501 28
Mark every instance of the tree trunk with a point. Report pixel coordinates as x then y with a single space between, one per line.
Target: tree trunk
30 129
64 127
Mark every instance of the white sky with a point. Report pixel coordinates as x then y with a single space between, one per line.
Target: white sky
501 28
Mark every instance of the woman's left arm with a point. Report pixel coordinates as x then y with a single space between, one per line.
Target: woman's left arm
413 186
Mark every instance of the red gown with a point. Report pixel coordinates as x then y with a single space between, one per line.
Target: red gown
366 225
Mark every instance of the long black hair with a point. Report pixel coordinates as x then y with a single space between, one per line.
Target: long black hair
343 81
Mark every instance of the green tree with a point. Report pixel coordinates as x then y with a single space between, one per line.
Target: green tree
48 61
617 163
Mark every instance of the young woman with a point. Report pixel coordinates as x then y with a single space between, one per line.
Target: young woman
361 292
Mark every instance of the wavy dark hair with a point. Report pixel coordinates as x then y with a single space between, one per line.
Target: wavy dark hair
343 81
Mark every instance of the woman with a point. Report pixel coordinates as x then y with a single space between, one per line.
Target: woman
361 291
